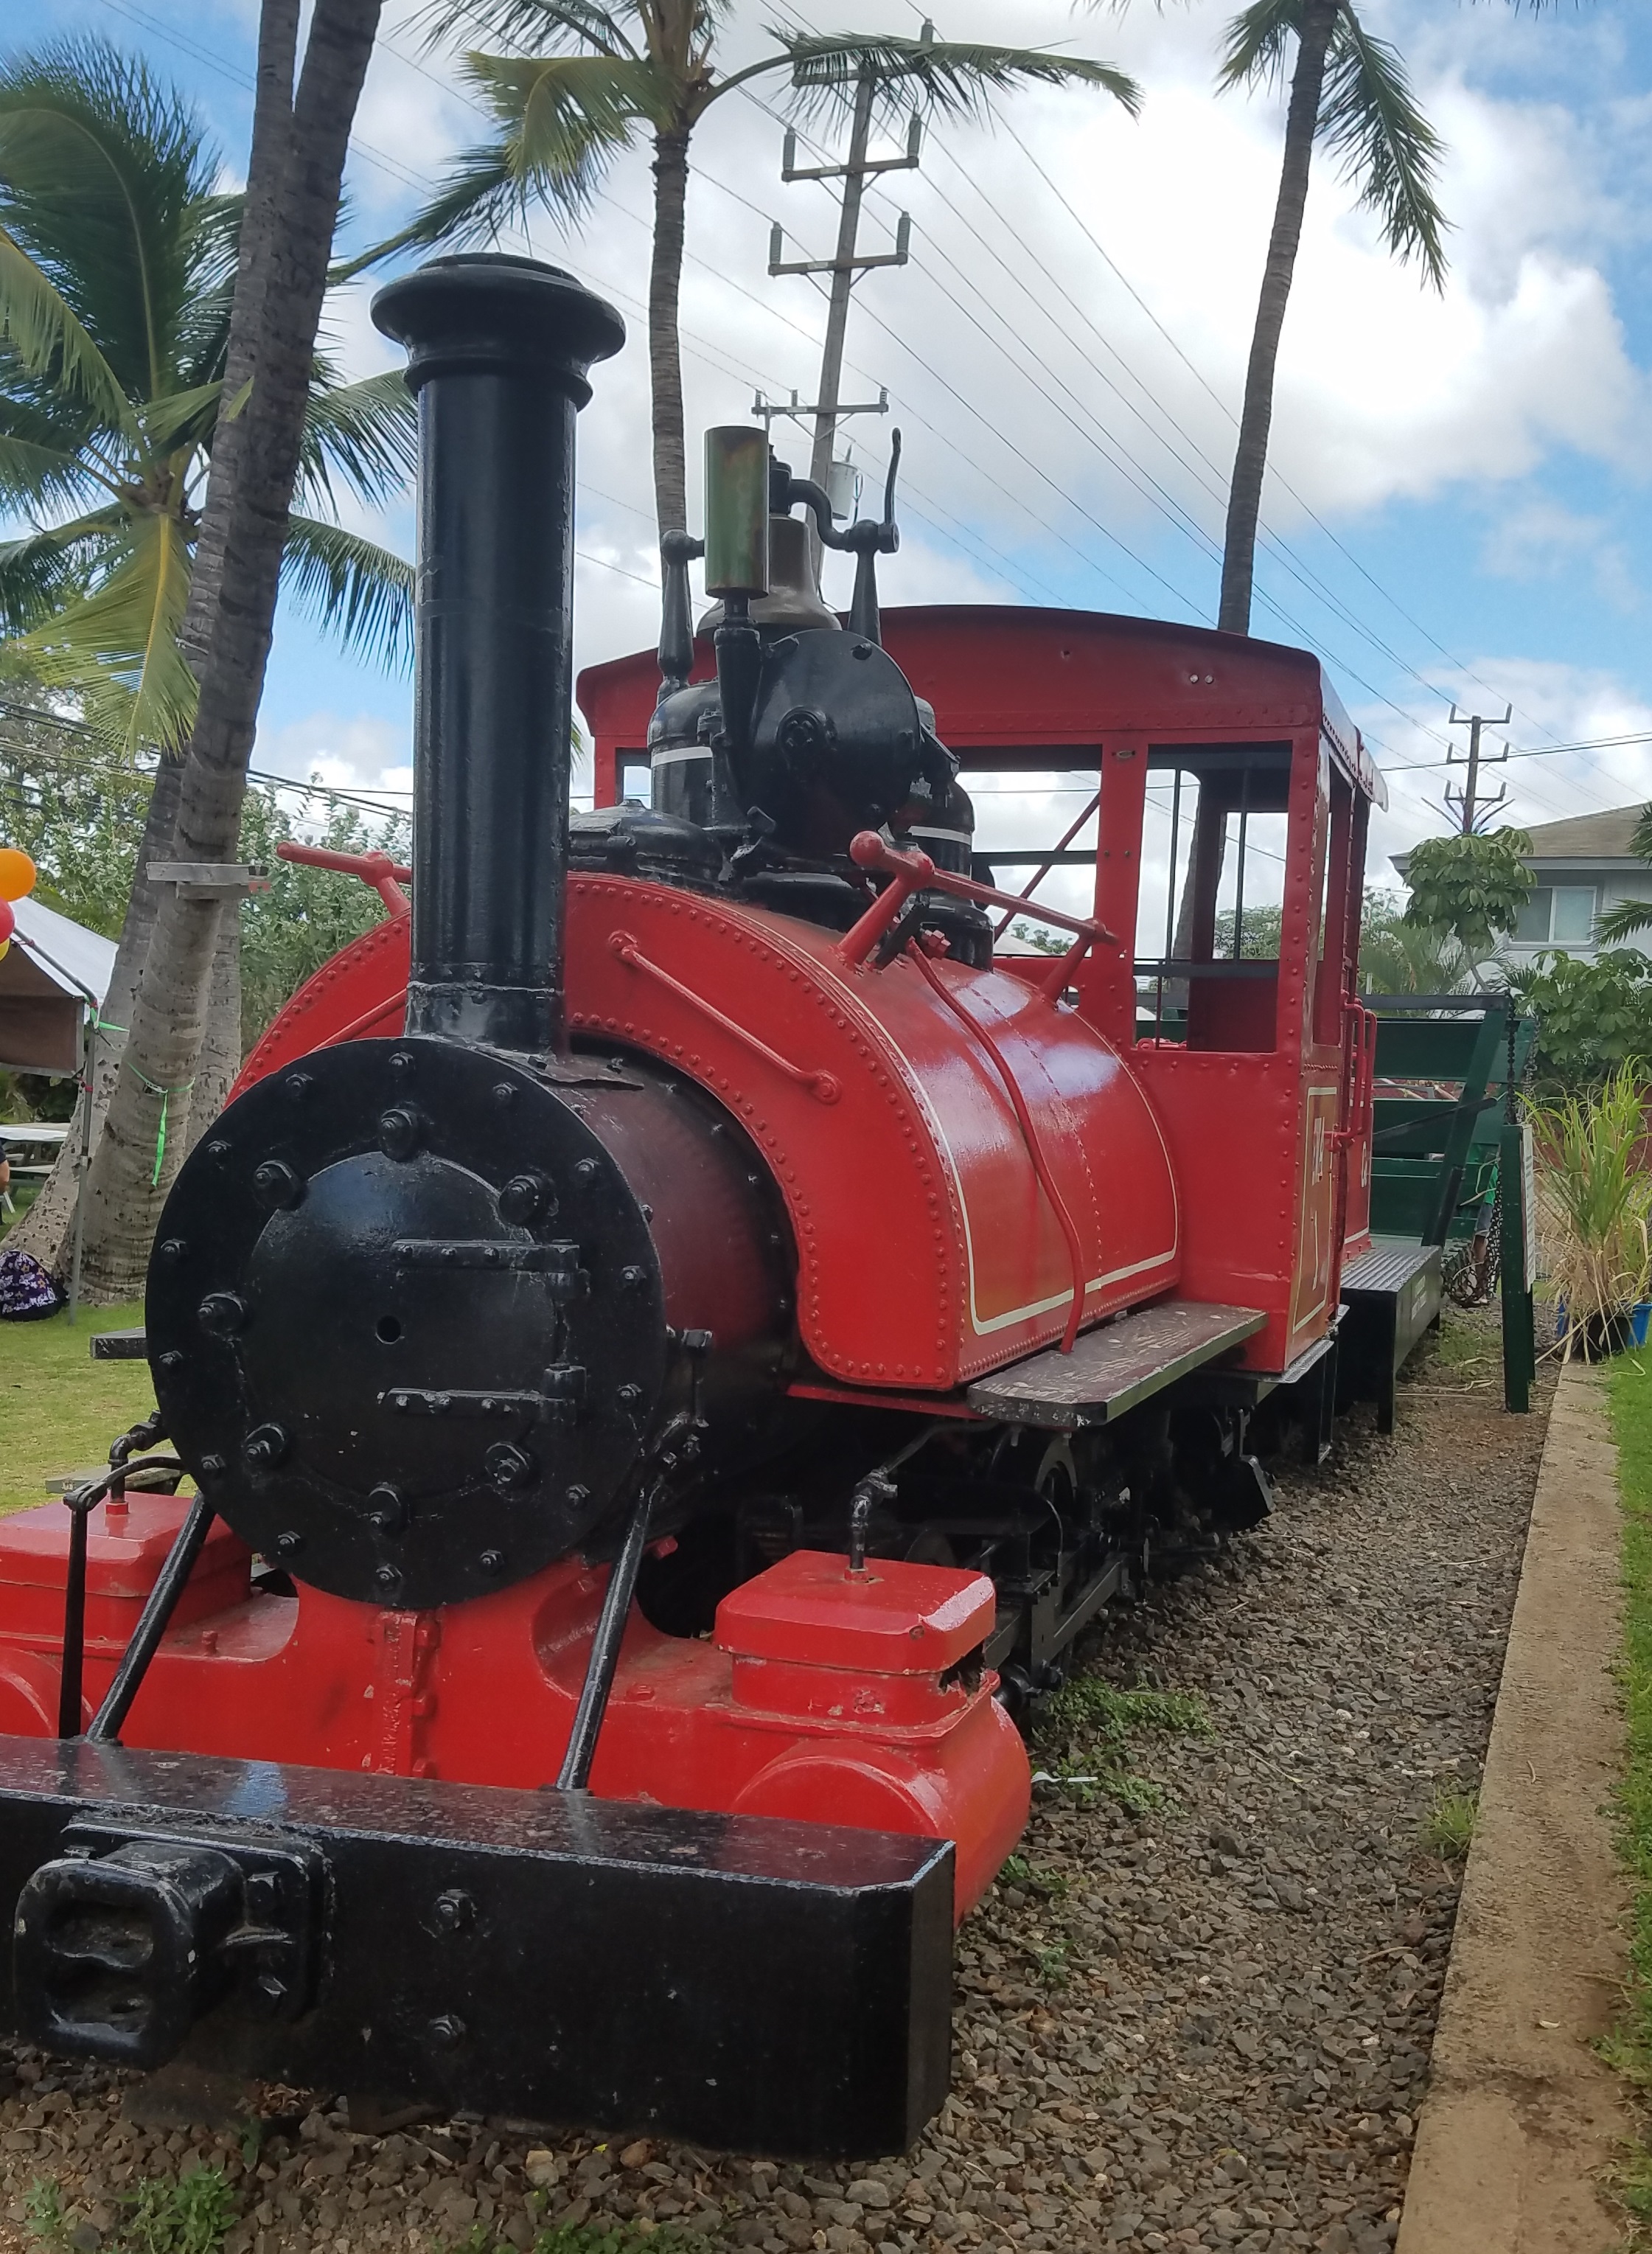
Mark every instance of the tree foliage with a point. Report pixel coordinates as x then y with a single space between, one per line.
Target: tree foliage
1592 1016
575 82
1472 887
1397 957
71 805
79 811
307 914
117 265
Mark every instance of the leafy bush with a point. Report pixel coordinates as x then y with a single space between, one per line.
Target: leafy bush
307 914
1397 957
1590 1016
1472 887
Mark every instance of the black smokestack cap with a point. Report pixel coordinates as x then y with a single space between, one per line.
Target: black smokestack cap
497 353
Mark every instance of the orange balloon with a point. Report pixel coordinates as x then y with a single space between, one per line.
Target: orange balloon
16 873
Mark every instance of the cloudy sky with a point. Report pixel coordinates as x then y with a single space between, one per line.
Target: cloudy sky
1457 503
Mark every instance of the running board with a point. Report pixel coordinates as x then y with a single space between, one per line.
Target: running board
1112 1369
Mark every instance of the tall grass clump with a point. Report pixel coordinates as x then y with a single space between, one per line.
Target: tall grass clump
1596 1202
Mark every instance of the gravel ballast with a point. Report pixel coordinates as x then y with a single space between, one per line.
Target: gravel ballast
1202 2023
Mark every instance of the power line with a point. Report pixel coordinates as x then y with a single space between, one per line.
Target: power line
1548 751
1187 524
1276 474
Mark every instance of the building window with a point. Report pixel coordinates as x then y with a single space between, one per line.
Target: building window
1557 915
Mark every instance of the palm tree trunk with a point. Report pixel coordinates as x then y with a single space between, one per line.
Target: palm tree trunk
220 1064
44 1230
270 154
1250 460
251 492
665 356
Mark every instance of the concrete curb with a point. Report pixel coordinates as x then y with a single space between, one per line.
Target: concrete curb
1522 2116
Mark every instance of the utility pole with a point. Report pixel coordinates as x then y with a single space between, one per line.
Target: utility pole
1470 806
828 408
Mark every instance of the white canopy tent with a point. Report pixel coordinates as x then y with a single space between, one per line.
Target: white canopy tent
53 972
53 977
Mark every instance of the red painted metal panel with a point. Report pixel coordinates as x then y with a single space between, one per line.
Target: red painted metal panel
485 1691
916 1168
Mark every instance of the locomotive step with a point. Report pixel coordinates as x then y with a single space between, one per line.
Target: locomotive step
1111 1370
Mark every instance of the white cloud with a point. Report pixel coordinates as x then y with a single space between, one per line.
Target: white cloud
356 752
1542 539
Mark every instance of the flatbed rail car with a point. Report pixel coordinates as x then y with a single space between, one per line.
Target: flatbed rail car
675 1333
1442 1066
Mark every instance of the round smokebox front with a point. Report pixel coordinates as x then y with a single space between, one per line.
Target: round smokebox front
406 1321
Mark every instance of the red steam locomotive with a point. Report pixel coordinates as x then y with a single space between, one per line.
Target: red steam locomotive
677 1333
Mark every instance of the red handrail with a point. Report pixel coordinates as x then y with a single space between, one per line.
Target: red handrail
386 876
916 873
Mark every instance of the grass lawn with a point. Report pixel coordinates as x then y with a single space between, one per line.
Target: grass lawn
1629 1390
58 1409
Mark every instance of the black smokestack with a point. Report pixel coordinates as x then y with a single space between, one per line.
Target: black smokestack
497 350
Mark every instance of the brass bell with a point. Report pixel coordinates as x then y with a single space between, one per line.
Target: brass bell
793 600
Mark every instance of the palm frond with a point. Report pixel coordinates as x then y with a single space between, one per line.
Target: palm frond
33 476
39 575
366 433
103 171
360 590
946 77
179 418
566 116
480 195
1254 45
546 24
125 629
1626 921
200 337
1370 116
49 340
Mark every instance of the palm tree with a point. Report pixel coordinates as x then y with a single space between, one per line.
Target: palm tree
1352 91
302 114
117 268
609 75
118 263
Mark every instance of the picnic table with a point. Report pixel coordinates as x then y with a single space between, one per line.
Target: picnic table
44 1137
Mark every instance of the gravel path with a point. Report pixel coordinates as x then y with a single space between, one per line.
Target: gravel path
1202 2024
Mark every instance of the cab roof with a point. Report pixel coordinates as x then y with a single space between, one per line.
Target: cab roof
1009 681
